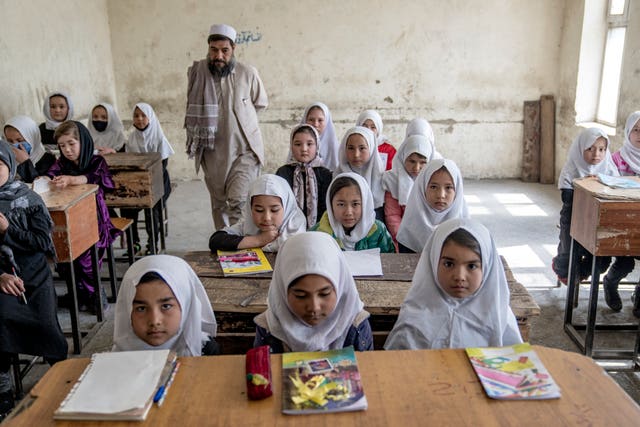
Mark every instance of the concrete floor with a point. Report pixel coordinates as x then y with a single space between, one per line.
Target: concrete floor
522 217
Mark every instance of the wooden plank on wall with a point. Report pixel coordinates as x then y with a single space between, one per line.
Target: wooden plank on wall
547 139
531 142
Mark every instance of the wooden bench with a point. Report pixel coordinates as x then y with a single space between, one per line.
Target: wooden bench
237 300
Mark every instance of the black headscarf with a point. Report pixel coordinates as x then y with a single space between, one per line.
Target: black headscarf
86 153
14 194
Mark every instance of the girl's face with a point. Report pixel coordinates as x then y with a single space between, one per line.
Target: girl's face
140 120
99 114
156 313
58 108
595 154
304 147
440 191
69 147
459 270
4 173
369 124
634 135
267 212
312 298
357 150
347 206
414 164
315 118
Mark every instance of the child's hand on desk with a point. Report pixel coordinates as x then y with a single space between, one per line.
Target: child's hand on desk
62 181
10 284
105 150
4 224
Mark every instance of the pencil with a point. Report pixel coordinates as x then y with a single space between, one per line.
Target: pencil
24 298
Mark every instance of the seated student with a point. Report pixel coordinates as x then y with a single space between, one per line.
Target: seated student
459 295
350 217
358 154
627 159
147 137
57 108
588 156
414 153
78 165
436 196
23 134
270 217
305 173
371 120
319 116
25 243
313 303
420 126
163 305
106 129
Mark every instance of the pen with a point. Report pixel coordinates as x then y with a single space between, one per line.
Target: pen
166 387
24 298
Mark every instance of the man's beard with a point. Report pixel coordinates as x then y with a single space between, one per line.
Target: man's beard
223 71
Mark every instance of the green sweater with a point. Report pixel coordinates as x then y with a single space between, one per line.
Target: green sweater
378 236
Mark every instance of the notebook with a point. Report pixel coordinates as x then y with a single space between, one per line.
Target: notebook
117 386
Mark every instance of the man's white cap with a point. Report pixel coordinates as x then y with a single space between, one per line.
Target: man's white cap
223 30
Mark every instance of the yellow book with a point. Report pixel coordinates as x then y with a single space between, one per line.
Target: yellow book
243 261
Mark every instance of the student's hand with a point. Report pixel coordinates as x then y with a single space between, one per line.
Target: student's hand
20 153
10 284
268 236
4 224
105 150
61 181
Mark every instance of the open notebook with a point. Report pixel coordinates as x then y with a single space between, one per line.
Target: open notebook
117 386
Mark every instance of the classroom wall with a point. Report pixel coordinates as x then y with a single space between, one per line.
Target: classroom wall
47 46
466 66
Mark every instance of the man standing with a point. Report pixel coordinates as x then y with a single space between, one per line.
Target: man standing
223 136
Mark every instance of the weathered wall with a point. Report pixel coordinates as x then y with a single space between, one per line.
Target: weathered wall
466 66
47 46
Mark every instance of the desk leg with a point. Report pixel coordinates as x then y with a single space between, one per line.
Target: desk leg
593 305
571 287
163 246
73 312
152 238
98 286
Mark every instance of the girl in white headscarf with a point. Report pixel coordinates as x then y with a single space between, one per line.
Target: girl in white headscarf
313 303
57 108
350 217
459 295
420 126
106 129
163 305
588 156
371 120
412 156
270 216
318 115
23 134
306 174
147 137
359 154
436 196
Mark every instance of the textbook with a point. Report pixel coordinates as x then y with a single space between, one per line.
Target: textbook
119 386
513 372
243 261
321 382
619 181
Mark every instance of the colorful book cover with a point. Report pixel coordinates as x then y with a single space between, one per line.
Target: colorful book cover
321 381
513 372
243 261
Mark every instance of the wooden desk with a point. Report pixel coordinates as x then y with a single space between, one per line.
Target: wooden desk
75 230
404 387
237 300
138 183
606 222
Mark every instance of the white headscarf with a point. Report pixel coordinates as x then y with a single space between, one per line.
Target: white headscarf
50 123
113 135
419 218
293 222
398 181
312 253
367 220
420 126
31 133
372 171
430 318
630 154
328 144
197 322
375 117
150 140
577 167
